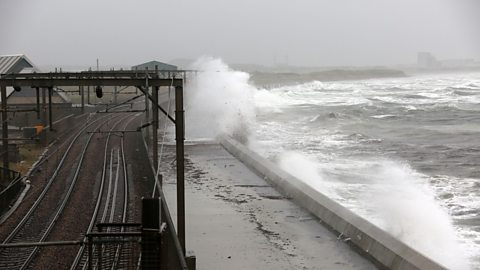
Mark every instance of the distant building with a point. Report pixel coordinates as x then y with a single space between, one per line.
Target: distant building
427 60
151 66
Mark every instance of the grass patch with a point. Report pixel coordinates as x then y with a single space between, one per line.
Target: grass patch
28 154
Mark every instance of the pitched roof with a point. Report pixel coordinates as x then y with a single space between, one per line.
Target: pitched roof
151 66
15 63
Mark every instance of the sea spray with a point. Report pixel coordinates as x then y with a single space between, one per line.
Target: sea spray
405 206
398 201
306 169
219 100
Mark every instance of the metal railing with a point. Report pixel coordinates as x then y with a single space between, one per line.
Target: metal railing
113 249
8 176
12 190
171 252
152 245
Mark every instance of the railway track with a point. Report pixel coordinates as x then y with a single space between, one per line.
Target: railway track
42 216
112 203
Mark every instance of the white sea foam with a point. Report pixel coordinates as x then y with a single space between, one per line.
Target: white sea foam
307 170
410 108
406 207
268 101
394 197
383 116
218 100
318 93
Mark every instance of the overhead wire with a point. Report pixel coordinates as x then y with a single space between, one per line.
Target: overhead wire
157 172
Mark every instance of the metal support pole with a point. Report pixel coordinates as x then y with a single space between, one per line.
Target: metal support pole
150 232
44 107
37 90
115 95
43 136
82 93
155 127
88 94
180 138
147 112
5 133
50 116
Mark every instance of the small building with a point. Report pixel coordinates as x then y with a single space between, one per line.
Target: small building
17 63
427 60
151 66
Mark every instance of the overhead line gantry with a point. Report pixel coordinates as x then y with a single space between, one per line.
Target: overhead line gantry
141 79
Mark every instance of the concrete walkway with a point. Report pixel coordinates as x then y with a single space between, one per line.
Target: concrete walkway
236 220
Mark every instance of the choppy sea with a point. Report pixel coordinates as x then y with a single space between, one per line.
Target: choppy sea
403 153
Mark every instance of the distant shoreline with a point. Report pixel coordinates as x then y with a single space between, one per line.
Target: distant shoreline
265 79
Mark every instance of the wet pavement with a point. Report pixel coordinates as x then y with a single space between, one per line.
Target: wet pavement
236 220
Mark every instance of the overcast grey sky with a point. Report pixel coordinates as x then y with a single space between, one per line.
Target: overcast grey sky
306 32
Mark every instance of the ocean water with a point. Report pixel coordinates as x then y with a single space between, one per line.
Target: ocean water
404 153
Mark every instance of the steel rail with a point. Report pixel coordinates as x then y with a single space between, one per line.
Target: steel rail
109 191
125 195
99 201
79 255
45 158
24 222
64 201
45 190
78 258
111 204
58 212
113 200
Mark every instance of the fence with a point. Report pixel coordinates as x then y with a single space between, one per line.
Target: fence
150 245
12 190
115 246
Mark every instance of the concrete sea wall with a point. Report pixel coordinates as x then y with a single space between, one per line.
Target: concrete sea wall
372 242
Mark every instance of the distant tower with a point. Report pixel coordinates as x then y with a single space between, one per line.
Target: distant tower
427 60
